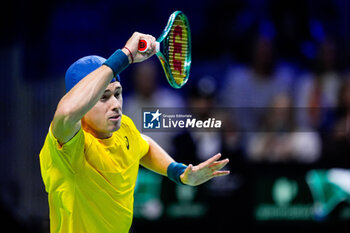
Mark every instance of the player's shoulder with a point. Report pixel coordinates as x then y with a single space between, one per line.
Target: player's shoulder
128 129
127 120
127 123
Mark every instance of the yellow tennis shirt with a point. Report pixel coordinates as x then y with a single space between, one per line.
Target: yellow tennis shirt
90 182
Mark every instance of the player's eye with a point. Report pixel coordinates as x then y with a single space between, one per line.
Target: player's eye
117 94
104 98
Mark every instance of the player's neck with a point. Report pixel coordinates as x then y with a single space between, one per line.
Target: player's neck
95 133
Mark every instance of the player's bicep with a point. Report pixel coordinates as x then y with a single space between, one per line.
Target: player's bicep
63 129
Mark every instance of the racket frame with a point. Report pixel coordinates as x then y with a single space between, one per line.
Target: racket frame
163 38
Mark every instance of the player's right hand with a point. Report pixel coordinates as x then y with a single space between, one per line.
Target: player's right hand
132 45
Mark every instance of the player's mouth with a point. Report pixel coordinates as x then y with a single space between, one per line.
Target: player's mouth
115 118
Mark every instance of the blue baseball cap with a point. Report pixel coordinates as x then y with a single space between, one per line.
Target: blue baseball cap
82 67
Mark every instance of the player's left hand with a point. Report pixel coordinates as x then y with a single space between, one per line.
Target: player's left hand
196 175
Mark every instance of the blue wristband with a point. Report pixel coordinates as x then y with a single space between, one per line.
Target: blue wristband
175 170
117 62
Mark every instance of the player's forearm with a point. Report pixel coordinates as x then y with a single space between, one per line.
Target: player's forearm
84 95
156 159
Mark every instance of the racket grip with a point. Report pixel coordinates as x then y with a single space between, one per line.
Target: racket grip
157 46
144 45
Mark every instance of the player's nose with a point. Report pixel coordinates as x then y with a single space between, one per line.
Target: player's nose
116 104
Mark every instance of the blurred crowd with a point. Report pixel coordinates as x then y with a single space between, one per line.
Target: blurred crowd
274 112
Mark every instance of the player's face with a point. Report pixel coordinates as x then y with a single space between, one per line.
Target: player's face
105 117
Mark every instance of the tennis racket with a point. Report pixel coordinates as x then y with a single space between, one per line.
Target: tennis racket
173 48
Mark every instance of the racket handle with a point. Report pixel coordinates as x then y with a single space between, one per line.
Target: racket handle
157 46
143 46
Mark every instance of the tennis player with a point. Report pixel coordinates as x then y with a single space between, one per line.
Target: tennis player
91 155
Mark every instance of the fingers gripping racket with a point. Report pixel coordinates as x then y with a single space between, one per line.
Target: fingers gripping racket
174 49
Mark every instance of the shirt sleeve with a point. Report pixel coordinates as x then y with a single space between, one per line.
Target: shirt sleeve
144 146
69 156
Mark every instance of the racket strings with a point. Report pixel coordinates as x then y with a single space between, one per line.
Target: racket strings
178 50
